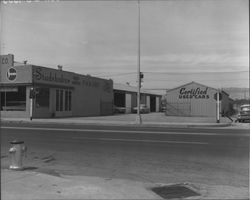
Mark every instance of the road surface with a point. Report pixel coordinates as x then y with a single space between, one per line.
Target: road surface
159 155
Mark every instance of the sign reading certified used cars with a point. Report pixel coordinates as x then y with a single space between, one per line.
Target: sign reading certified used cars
11 74
197 93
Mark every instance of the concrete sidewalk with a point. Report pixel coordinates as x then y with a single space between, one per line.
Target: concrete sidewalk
148 120
28 185
33 185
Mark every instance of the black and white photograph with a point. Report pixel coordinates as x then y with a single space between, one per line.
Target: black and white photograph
124 99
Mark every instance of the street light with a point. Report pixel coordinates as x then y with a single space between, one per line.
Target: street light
138 116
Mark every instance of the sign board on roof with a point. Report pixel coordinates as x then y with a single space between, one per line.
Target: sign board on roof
7 60
20 74
196 93
50 76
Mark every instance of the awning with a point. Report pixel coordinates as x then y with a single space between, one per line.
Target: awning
8 89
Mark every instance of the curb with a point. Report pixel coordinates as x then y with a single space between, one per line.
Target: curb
130 124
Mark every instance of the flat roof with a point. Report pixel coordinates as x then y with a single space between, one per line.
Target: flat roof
129 88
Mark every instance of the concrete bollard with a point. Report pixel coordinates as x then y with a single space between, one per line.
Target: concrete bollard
17 151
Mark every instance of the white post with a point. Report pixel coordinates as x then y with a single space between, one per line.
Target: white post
31 104
218 107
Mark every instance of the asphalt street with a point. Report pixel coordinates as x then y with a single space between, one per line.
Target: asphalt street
159 155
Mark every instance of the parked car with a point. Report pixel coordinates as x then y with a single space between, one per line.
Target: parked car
244 114
163 109
143 109
119 109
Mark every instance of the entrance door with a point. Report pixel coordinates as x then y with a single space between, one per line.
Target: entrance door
119 99
152 104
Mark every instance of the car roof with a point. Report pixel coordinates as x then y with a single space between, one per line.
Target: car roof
246 105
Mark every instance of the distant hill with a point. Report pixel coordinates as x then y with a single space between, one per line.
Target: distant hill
237 93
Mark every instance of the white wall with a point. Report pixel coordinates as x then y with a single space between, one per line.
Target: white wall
128 102
148 101
157 104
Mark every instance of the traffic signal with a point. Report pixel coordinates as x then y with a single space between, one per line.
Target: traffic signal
141 77
220 96
33 93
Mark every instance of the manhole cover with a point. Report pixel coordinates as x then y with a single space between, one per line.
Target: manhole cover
174 191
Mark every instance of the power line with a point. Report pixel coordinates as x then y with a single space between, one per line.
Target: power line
171 73
199 80
106 0
177 73
120 74
154 88
167 73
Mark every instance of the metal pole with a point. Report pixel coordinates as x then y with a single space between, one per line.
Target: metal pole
138 116
5 96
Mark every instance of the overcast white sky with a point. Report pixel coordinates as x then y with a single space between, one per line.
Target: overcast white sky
181 40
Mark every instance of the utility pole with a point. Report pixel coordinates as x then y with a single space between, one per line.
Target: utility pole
138 116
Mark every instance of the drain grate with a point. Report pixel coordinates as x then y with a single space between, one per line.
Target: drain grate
174 191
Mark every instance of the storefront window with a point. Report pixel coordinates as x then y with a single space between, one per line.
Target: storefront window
70 100
13 99
42 97
63 100
59 100
67 101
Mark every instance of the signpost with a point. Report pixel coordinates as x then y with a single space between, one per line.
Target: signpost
218 98
32 96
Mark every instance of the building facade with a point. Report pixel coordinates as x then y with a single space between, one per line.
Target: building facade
41 92
195 99
126 96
